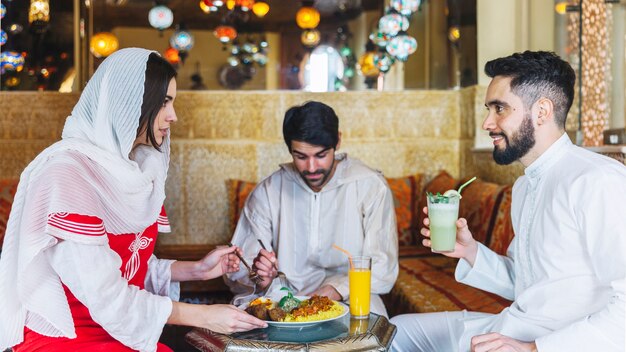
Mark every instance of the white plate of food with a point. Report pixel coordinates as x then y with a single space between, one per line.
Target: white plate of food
312 311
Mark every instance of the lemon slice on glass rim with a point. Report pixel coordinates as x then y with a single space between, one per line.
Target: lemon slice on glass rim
455 193
452 193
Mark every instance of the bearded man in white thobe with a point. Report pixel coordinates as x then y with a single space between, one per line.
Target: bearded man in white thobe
565 268
299 212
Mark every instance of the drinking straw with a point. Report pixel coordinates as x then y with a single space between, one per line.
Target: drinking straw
347 253
466 183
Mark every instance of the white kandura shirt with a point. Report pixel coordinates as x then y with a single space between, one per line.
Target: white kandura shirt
354 210
566 267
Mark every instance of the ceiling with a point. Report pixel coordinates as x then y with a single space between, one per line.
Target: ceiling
134 13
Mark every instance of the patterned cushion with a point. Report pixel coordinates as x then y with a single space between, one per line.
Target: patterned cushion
7 192
427 284
238 192
440 183
406 191
478 207
501 234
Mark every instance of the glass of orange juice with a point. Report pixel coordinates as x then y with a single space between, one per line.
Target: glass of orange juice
360 275
358 326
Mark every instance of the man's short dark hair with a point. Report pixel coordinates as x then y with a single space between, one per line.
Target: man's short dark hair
313 123
536 74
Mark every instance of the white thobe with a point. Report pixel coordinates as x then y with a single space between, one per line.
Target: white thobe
566 267
354 210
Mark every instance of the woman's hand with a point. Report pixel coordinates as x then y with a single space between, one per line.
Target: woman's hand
227 319
221 318
218 262
466 246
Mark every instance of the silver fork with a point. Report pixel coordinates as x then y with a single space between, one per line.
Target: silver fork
281 276
251 273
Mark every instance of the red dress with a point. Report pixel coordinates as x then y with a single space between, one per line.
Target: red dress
134 250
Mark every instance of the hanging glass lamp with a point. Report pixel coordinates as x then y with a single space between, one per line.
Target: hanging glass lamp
405 7
11 61
307 17
39 15
160 17
310 37
225 33
392 24
260 9
103 44
402 46
181 40
171 55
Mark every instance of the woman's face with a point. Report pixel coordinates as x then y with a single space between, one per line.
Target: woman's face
164 118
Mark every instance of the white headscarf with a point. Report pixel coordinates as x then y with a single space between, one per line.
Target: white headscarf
88 172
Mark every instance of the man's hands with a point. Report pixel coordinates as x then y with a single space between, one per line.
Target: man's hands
328 291
494 342
221 318
466 246
265 265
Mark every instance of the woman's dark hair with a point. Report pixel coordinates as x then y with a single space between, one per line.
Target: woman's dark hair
159 73
536 74
313 123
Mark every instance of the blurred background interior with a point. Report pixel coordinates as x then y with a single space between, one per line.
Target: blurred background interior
405 77
317 45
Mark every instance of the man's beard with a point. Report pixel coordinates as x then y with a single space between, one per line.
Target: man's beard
317 183
522 141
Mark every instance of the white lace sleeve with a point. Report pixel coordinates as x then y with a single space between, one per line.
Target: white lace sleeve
132 316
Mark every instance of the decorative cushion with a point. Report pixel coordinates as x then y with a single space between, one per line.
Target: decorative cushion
502 234
8 187
238 191
406 191
440 183
427 284
478 207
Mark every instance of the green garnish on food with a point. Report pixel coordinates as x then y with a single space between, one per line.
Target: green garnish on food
289 302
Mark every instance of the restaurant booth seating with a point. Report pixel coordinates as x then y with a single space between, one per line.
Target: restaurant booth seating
426 280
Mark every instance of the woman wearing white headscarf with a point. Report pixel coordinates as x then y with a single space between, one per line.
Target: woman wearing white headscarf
77 270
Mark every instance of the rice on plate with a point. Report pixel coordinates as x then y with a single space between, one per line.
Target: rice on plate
315 308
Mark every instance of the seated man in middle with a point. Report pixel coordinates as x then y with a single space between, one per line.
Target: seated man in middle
319 199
